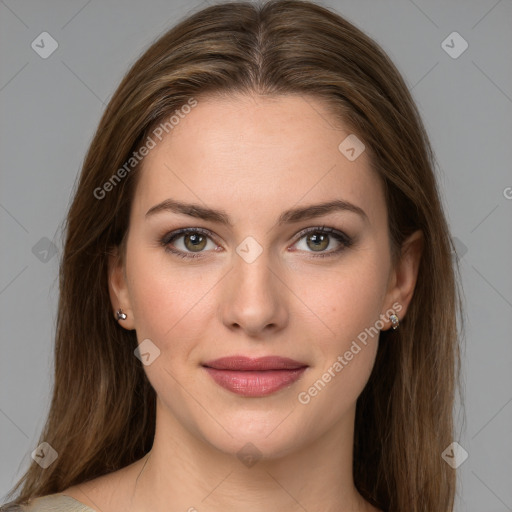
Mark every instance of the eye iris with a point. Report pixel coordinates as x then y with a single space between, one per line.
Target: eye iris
319 238
196 240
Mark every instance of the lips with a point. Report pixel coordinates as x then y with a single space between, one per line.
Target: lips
243 363
254 377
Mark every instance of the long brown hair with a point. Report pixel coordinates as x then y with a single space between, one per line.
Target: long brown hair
102 413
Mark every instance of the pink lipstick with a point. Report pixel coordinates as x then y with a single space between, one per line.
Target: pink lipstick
254 377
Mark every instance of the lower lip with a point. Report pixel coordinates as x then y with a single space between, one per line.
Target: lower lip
254 383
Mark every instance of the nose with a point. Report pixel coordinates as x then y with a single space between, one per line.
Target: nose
254 298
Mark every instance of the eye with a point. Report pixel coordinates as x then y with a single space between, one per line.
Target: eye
318 239
194 241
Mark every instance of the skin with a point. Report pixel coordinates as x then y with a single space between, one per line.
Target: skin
254 158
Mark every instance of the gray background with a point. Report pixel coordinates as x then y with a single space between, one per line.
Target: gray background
50 108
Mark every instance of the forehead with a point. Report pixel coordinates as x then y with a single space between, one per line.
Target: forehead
257 154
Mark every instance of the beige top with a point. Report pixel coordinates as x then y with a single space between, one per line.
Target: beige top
51 503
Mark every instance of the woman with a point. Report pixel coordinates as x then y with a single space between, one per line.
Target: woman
257 299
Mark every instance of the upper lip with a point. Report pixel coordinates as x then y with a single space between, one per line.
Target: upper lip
243 363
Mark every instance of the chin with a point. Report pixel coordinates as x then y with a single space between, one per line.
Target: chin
257 446
266 434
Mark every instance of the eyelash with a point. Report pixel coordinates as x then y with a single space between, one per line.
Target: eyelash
341 237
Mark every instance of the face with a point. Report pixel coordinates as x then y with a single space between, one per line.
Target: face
258 277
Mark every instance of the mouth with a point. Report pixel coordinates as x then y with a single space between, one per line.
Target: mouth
254 377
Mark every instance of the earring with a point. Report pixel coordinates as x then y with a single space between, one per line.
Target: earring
120 314
394 321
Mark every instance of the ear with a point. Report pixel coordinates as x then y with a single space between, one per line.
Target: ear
403 277
118 289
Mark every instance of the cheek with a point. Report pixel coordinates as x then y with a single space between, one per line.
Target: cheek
349 309
170 306
346 301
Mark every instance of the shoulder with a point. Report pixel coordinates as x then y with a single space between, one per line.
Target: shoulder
49 503
90 496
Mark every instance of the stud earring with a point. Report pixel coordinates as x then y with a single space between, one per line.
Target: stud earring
394 321
120 315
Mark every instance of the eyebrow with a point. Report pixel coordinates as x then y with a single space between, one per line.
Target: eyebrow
288 217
